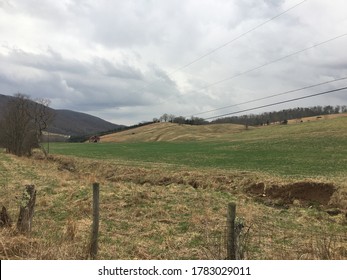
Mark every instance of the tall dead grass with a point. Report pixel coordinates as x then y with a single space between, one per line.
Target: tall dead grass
155 212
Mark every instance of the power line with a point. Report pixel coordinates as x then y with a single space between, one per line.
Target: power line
277 103
229 42
234 39
270 96
271 62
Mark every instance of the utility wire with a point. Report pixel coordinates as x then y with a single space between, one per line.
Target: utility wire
270 96
277 103
271 62
228 43
234 39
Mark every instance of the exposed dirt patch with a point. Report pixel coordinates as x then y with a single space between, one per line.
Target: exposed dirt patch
256 189
304 192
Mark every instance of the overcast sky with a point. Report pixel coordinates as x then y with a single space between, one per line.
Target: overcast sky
119 59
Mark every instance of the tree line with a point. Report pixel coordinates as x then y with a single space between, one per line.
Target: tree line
282 116
259 119
180 119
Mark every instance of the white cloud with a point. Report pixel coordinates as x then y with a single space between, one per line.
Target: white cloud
117 59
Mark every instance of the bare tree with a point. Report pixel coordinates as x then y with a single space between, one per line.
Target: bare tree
164 118
22 125
16 127
179 120
42 116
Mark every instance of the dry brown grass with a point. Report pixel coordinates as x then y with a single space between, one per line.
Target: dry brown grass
318 118
176 132
173 132
156 212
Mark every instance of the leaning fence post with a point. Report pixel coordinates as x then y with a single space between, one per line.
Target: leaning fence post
95 227
231 236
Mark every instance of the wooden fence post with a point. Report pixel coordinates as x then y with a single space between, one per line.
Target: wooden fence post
95 227
26 211
5 220
231 236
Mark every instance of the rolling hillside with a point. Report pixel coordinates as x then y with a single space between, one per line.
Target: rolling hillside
173 132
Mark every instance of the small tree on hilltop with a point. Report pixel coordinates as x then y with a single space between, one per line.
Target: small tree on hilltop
164 118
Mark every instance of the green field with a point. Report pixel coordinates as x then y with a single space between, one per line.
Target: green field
310 149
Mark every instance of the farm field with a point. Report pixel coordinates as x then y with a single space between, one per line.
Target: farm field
168 199
300 150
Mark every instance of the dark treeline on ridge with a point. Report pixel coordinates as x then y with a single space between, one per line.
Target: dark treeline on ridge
260 119
282 116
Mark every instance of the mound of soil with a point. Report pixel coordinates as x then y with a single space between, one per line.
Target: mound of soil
305 192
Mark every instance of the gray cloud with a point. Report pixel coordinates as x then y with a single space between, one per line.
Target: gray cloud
97 84
51 61
122 71
118 59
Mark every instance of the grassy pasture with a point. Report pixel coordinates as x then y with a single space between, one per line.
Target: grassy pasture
300 150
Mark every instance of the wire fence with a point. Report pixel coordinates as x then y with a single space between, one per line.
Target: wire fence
280 243
259 242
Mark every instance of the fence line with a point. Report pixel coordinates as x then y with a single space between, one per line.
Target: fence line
280 243
259 240
256 239
95 226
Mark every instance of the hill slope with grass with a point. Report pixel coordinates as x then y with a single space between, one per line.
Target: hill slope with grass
329 125
173 132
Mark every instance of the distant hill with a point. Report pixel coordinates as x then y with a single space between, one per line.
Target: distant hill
73 123
174 132
167 131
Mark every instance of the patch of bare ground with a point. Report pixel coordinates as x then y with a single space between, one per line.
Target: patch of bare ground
299 193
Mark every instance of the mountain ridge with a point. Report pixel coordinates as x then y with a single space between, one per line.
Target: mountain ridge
69 122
